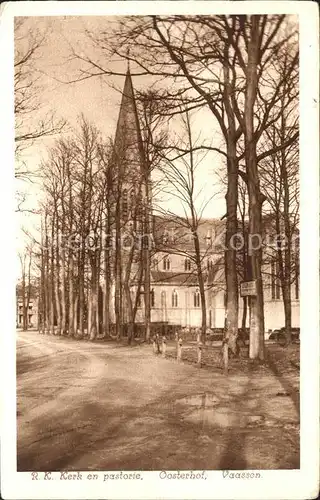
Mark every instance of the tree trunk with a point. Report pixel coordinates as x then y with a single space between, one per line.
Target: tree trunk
75 315
118 280
93 304
57 285
89 307
106 309
63 289
231 315
287 312
52 280
201 286
147 291
29 286
93 327
255 197
147 287
58 308
286 271
71 295
42 304
244 313
47 277
130 322
81 291
231 276
98 257
107 279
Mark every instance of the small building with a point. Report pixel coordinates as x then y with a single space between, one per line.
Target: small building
32 313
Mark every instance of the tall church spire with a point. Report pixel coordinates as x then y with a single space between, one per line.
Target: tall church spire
128 144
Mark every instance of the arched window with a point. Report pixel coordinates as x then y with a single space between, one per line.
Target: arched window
196 298
187 265
174 298
125 203
155 264
166 263
152 298
163 299
209 264
209 238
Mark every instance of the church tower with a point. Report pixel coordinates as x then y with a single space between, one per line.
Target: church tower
129 160
133 207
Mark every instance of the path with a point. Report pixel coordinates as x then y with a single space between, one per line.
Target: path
106 407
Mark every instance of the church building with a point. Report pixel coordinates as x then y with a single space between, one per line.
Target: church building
168 267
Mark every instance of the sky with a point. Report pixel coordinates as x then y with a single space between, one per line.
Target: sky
99 99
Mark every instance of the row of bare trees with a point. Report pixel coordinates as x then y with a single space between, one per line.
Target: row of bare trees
96 229
81 224
244 69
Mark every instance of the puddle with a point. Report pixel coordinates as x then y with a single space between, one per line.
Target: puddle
222 417
204 409
199 400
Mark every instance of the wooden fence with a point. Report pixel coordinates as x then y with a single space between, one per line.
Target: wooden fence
194 352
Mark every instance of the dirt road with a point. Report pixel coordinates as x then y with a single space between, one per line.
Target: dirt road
106 407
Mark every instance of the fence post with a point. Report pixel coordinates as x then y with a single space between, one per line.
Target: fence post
199 354
179 349
154 346
158 343
164 346
225 356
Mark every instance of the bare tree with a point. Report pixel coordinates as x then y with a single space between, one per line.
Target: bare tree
181 177
32 121
30 125
280 184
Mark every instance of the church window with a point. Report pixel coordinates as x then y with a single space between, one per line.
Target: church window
187 265
166 264
196 298
174 298
155 264
152 298
163 299
209 238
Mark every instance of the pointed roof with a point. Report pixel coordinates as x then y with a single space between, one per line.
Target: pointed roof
128 143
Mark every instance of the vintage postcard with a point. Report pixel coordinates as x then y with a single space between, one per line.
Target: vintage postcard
160 254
